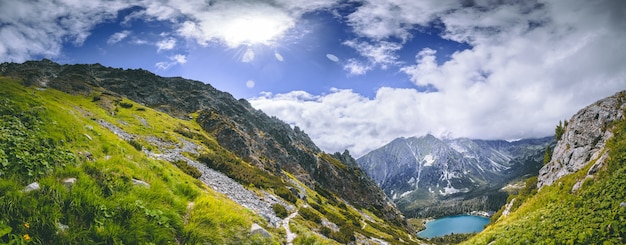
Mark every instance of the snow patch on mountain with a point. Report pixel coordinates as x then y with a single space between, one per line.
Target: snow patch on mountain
429 160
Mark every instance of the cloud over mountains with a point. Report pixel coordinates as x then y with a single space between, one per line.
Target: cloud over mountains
528 64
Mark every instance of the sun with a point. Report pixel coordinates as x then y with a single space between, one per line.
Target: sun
256 28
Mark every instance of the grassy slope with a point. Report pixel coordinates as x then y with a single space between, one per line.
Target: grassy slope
591 215
48 136
103 206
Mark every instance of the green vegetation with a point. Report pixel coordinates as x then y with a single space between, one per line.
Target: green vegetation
548 155
556 215
190 170
280 210
560 129
87 175
96 187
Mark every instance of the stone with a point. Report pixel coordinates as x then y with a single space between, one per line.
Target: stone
69 182
140 183
32 187
623 204
257 229
584 139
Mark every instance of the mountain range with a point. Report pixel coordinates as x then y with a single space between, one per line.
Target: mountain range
421 173
94 154
171 160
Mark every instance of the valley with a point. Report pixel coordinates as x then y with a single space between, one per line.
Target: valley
93 154
431 177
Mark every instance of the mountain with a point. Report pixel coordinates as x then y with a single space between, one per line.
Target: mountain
427 176
93 154
578 196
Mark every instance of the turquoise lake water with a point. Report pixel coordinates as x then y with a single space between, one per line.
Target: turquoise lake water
453 224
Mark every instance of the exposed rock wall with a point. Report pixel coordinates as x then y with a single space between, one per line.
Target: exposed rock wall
584 139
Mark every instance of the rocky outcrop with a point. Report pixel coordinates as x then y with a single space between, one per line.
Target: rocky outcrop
584 140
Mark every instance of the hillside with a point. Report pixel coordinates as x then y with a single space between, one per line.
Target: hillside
579 195
431 177
92 154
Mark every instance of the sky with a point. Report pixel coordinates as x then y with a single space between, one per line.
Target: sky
353 74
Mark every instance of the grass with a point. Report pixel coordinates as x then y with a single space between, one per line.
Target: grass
556 215
49 136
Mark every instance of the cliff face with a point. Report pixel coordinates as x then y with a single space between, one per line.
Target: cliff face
584 140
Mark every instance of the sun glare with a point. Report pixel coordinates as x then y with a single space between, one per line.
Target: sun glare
257 29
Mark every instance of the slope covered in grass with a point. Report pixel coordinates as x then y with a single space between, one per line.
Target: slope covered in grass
106 174
96 187
593 214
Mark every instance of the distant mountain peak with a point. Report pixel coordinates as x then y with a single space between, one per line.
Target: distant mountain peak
429 168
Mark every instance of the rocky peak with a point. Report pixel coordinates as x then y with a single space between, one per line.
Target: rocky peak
584 139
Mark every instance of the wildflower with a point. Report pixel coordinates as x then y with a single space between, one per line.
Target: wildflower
27 225
26 237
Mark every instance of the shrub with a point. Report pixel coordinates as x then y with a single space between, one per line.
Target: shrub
286 194
309 214
280 210
190 170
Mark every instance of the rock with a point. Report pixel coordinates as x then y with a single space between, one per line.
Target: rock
257 229
69 182
584 139
623 204
507 209
62 228
32 187
140 183
580 183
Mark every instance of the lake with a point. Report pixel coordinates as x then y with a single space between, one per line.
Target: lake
453 224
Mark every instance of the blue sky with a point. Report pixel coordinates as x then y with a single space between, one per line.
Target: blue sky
353 74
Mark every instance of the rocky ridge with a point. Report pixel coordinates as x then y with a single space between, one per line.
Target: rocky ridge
584 140
427 169
263 141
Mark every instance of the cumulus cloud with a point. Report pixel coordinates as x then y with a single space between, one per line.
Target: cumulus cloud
118 36
379 54
166 44
32 29
243 22
531 64
38 28
174 60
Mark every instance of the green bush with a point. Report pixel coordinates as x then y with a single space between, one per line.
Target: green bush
286 194
309 214
188 169
280 210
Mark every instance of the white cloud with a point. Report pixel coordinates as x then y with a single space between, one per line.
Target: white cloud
381 53
38 28
118 36
250 84
332 57
31 29
244 22
382 19
355 67
530 65
174 60
248 56
166 44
